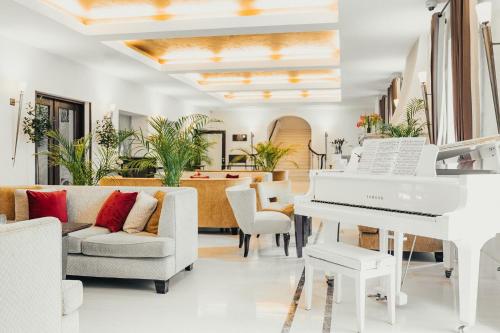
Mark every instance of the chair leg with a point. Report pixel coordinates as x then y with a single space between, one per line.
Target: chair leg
278 240
242 235
391 298
161 286
247 245
309 277
337 288
360 302
286 241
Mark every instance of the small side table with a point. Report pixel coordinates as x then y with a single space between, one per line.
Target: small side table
67 228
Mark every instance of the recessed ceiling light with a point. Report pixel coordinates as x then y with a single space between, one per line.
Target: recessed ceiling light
91 12
320 95
322 45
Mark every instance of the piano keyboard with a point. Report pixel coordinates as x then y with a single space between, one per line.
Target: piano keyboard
375 208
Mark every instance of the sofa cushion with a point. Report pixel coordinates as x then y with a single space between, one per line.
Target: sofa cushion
154 220
22 212
125 245
47 204
75 238
115 210
72 296
144 207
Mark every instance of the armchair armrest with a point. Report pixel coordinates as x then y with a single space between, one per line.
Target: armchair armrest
72 296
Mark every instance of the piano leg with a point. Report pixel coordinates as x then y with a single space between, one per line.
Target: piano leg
448 257
468 274
401 297
383 245
299 233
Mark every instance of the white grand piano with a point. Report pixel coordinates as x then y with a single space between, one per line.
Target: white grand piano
393 186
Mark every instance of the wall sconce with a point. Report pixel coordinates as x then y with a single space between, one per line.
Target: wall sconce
422 77
22 88
112 109
483 11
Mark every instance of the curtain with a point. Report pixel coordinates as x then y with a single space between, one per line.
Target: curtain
433 107
461 68
382 108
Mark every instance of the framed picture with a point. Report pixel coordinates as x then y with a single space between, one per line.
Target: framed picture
239 137
64 115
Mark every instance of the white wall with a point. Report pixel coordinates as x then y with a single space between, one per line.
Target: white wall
44 72
335 121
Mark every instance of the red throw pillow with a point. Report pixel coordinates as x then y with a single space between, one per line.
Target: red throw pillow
115 210
47 204
232 176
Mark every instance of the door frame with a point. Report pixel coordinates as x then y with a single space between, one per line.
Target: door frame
79 126
223 133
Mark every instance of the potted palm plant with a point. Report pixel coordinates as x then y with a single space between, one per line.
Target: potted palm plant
266 156
75 155
172 145
411 126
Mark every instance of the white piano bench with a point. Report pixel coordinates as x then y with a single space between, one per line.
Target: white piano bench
358 263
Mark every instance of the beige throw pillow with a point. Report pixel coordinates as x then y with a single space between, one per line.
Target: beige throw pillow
21 203
144 207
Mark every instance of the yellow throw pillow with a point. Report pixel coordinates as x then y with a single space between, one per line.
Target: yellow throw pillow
154 220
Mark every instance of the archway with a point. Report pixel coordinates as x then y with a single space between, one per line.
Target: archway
296 132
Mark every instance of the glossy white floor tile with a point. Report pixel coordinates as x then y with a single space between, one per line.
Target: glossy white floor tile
228 293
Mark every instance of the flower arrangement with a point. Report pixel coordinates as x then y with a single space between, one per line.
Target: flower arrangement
338 143
369 122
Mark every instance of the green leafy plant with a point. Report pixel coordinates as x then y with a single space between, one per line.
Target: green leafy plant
172 144
75 156
267 155
412 126
200 153
36 123
105 133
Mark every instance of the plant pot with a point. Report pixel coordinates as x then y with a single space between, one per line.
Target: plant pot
279 175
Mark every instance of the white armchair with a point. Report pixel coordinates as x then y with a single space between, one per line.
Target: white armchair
281 191
33 299
244 205
276 196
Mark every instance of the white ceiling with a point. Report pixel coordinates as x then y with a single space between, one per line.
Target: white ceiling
375 37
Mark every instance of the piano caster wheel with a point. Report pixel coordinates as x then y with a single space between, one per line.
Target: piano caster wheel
447 273
462 329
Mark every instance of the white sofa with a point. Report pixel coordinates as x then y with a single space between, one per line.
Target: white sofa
97 252
33 299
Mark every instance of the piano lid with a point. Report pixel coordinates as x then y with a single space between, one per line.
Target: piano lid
464 147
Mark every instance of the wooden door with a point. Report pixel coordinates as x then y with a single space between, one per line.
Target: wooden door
67 117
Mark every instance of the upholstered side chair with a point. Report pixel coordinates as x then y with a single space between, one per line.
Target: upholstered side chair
251 222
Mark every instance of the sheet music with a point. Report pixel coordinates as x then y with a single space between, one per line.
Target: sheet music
396 156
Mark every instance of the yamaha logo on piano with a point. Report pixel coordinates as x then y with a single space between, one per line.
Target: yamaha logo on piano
374 197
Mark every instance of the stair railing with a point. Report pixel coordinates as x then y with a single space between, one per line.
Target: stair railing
320 159
274 129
